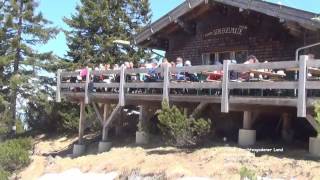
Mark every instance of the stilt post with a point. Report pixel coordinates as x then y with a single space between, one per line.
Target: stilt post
225 89
81 122
302 93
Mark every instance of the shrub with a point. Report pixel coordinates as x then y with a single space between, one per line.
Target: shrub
178 128
14 154
246 173
4 175
317 118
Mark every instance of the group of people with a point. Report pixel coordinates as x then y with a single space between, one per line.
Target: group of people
152 74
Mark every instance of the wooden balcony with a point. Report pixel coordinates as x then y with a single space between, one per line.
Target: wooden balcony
303 90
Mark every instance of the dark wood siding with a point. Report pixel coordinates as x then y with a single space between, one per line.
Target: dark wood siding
266 37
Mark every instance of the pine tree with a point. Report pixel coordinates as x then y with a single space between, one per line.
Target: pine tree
23 28
97 23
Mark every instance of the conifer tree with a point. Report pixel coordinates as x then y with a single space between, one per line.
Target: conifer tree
21 29
97 23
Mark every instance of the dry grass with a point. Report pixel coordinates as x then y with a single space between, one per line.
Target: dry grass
217 162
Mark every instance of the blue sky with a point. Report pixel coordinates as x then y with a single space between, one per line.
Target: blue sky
54 11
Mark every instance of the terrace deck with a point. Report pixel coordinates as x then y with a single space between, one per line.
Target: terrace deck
301 85
305 92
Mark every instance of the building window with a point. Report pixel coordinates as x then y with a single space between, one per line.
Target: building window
210 58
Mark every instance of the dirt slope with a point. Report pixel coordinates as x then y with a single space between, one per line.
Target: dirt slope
217 162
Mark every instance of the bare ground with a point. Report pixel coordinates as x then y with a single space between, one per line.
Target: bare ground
217 161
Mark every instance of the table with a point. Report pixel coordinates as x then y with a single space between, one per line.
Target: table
267 73
313 71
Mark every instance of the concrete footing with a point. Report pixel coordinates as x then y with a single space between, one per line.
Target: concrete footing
142 137
247 137
104 146
78 150
314 146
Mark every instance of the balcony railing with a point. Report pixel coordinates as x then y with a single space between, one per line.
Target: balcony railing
307 69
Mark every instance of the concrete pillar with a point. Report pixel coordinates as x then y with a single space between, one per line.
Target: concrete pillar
78 150
247 136
314 147
142 135
104 146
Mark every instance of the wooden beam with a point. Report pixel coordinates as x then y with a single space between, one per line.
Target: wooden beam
269 65
264 85
86 88
81 122
58 91
111 117
196 85
105 128
302 93
121 89
198 109
72 85
312 121
166 83
96 109
247 119
158 85
225 87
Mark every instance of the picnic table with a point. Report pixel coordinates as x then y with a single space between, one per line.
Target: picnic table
313 71
267 73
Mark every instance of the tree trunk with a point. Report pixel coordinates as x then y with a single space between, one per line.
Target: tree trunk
14 90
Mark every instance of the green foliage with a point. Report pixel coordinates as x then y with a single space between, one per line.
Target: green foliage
247 173
178 128
14 154
317 118
96 24
22 28
4 175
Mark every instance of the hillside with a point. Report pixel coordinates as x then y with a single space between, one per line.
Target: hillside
219 162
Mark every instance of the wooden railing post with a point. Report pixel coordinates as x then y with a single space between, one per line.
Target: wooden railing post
86 88
225 88
121 88
302 93
166 81
58 91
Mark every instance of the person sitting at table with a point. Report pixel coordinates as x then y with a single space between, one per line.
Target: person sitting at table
83 73
190 76
152 76
247 75
214 76
180 75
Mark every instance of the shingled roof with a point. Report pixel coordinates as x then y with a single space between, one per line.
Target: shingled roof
306 19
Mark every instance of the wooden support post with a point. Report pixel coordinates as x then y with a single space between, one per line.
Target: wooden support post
111 117
96 109
225 89
198 109
105 116
247 120
81 122
302 94
86 88
58 91
312 121
121 88
166 81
